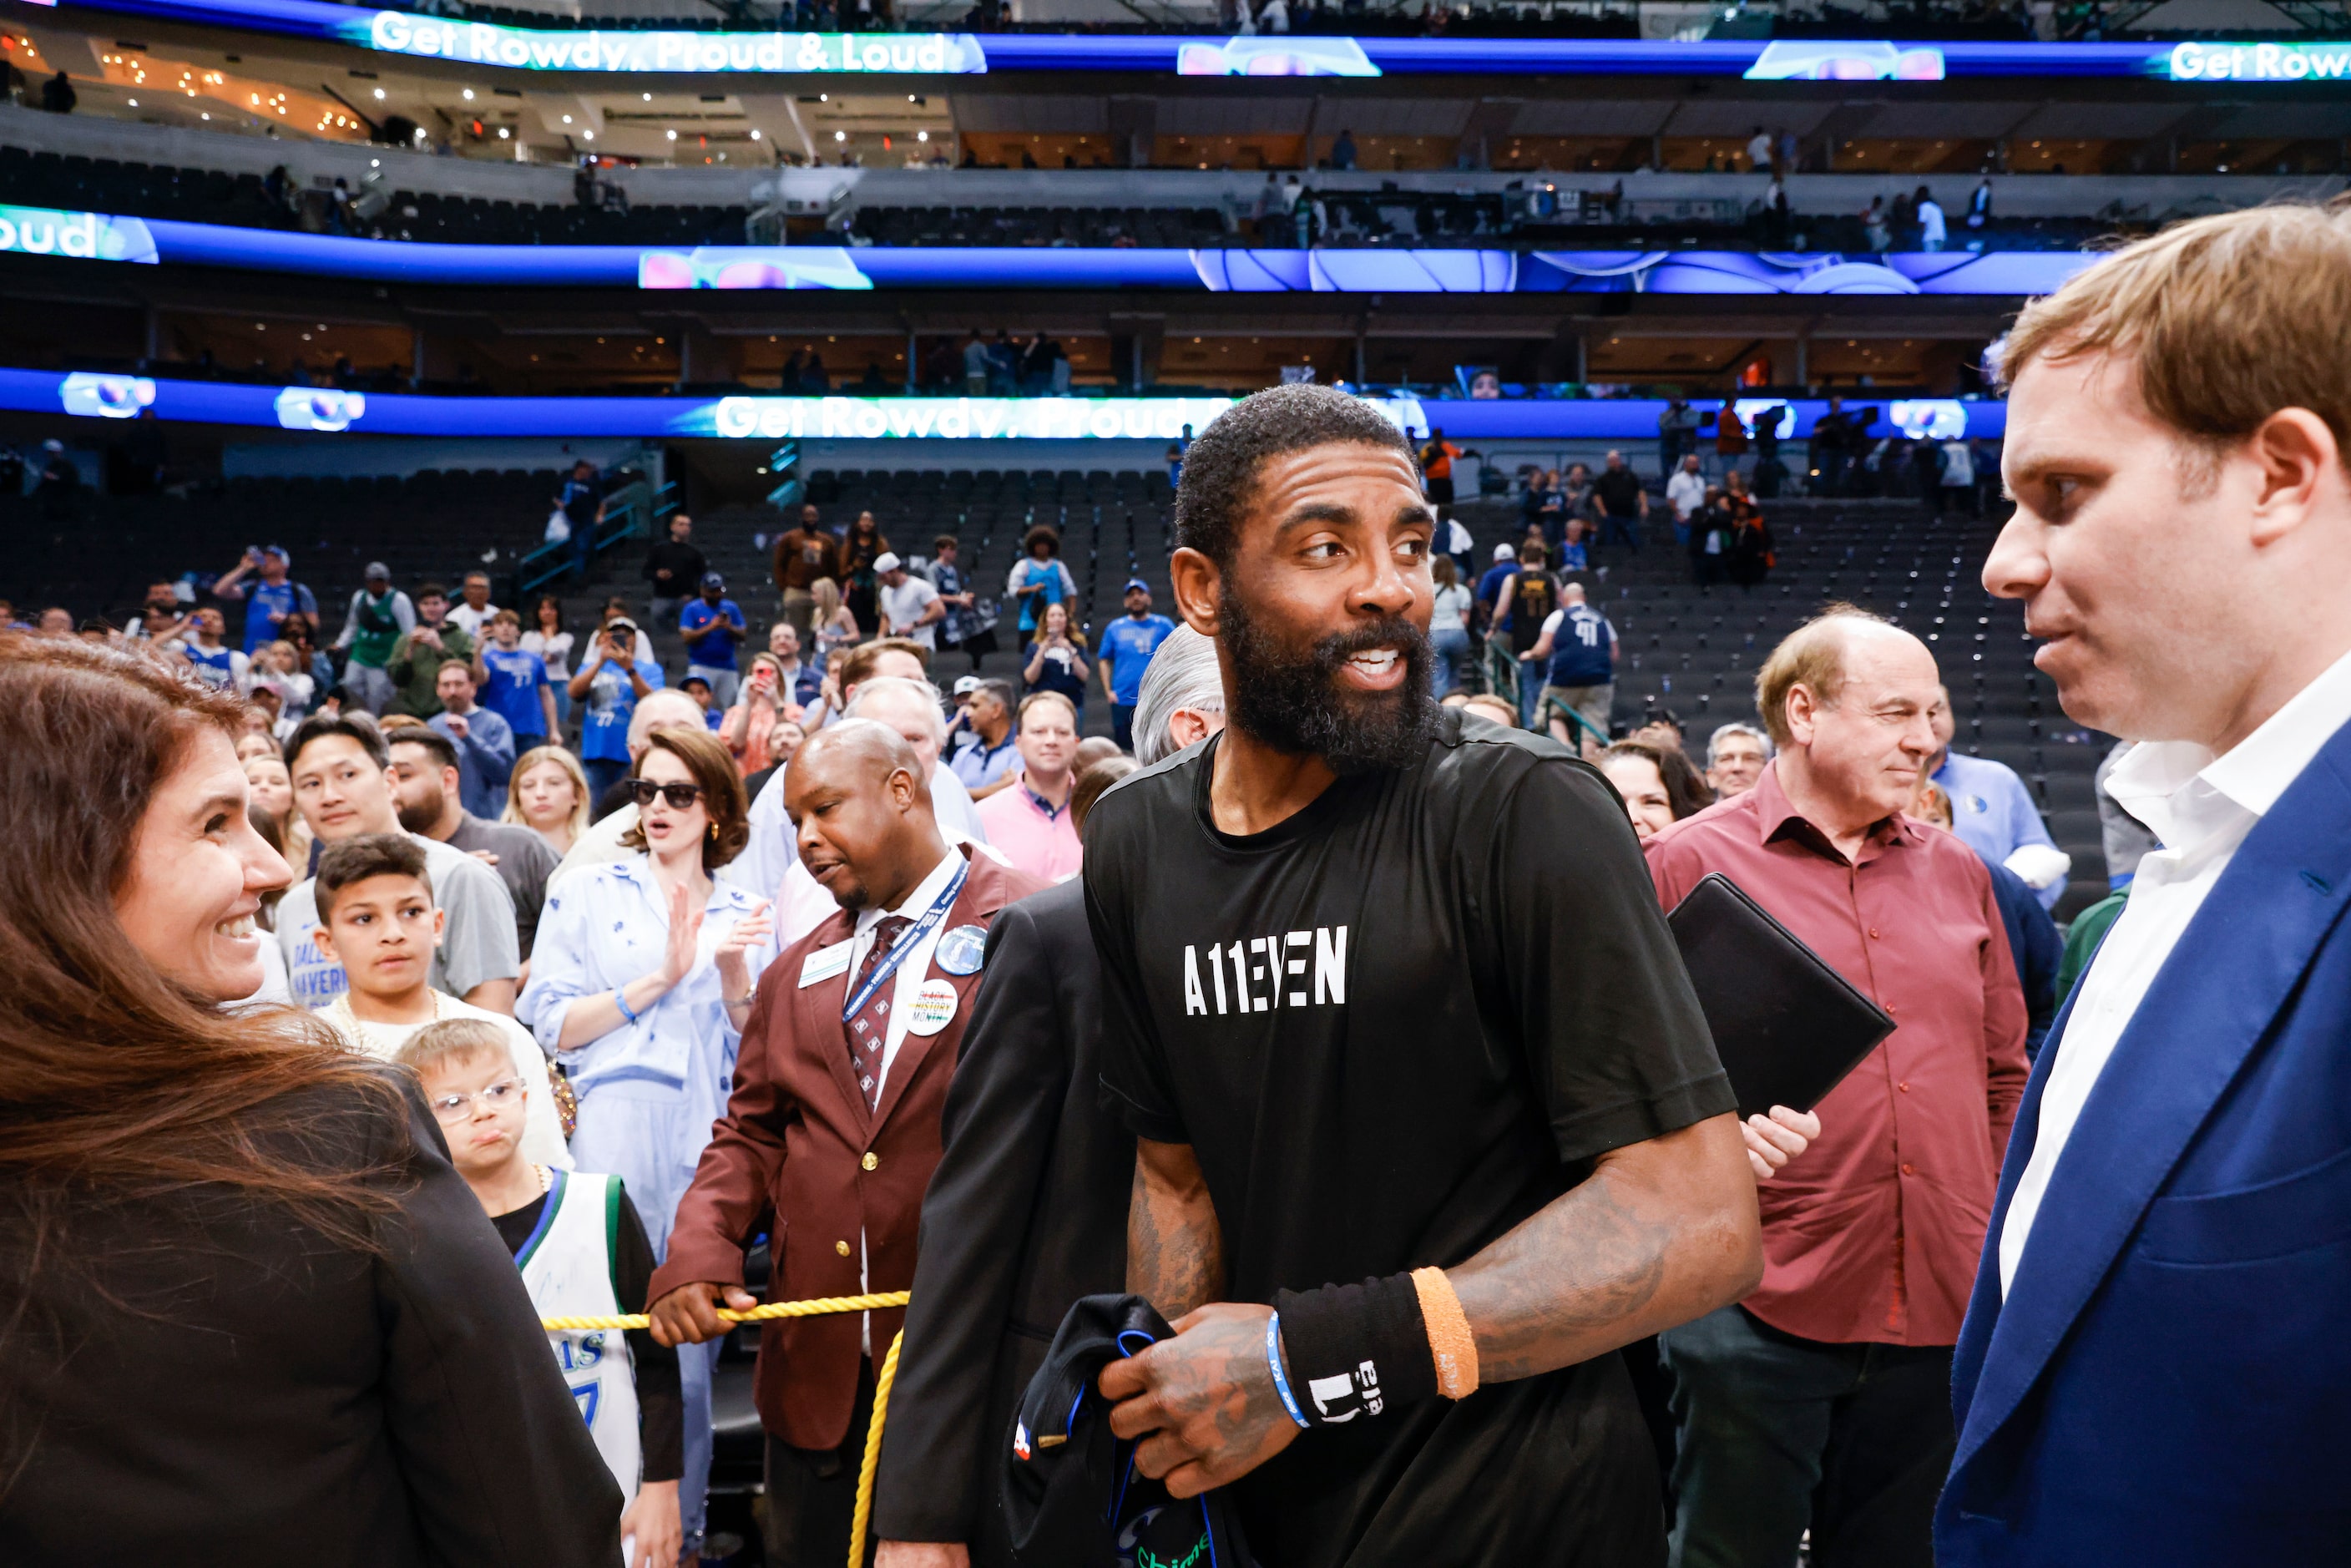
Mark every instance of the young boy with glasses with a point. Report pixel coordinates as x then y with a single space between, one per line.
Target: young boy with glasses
377 921
583 1254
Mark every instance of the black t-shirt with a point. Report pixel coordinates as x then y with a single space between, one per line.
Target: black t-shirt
1619 489
1531 602
1391 1027
684 565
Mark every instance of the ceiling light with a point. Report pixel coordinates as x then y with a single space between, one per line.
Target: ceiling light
503 133
755 135
567 119
673 136
379 92
584 136
132 101
841 136
921 136
649 98
826 98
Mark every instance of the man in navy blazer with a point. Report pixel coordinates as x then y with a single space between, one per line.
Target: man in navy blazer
2156 1365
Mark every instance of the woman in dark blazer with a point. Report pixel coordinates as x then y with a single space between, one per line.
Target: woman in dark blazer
253 1316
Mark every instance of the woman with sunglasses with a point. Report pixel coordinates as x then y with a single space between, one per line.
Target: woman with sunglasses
641 979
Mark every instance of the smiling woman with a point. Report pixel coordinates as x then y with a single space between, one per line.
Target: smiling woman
243 1272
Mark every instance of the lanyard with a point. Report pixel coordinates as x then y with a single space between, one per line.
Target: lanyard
907 941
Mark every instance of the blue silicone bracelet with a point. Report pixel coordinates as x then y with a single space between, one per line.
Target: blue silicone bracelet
1273 1359
622 1002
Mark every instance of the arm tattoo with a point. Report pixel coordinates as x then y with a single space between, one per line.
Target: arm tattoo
1659 1234
1175 1249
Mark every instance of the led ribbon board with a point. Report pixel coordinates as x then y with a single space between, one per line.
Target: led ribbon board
667 53
318 411
688 53
2255 62
99 236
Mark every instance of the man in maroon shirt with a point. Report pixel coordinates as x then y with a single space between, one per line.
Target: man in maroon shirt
1824 1400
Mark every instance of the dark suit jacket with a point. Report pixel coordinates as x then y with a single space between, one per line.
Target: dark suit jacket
272 1399
2163 1380
798 1155
1026 1213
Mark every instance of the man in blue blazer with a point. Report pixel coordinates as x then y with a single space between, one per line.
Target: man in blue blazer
2156 1367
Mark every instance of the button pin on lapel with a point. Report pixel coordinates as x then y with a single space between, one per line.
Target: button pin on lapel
841 1248
870 1162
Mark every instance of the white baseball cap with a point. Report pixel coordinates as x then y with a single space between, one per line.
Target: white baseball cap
1504 552
887 561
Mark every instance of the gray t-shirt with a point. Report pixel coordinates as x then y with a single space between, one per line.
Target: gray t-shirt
525 863
477 943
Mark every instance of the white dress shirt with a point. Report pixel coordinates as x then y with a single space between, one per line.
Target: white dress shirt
2199 808
915 970
909 979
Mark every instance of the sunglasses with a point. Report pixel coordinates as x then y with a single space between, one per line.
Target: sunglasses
678 796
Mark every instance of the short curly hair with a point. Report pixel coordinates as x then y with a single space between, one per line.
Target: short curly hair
722 791
1220 468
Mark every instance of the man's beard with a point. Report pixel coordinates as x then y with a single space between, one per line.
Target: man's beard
417 817
1292 699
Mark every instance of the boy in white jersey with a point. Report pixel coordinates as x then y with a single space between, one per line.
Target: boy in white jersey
583 1253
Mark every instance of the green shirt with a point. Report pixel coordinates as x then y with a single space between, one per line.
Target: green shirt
417 678
2082 939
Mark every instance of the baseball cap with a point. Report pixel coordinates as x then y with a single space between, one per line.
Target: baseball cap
887 561
966 684
1504 552
376 569
1135 583
713 580
620 623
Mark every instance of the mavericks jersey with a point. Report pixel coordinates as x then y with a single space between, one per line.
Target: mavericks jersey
567 1265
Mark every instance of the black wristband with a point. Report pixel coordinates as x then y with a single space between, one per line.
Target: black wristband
1355 1349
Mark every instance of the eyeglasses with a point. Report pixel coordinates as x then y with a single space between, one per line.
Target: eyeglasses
679 796
451 1109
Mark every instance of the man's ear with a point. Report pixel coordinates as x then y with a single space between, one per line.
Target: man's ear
2297 455
1198 586
440 924
325 942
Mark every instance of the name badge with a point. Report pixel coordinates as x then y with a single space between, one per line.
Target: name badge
826 962
932 1009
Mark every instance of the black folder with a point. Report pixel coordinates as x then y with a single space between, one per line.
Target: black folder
1787 1027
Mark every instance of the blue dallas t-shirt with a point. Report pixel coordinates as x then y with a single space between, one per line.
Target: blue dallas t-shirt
720 626
1580 647
264 600
611 702
515 677
1128 643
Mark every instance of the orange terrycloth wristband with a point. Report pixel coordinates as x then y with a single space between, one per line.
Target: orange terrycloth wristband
1449 1340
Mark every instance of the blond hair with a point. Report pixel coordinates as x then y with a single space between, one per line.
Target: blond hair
1812 657
561 757
2230 318
451 1040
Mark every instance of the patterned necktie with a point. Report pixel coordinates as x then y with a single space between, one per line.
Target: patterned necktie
868 1030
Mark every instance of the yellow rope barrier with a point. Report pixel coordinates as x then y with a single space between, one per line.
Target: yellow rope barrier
761 1315
863 1513
772 1310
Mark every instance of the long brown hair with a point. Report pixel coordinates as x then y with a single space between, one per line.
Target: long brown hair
117 1087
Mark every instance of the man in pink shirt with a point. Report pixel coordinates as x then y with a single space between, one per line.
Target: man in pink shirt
1822 1401
1030 821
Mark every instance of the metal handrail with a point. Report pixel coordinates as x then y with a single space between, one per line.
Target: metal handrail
635 511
